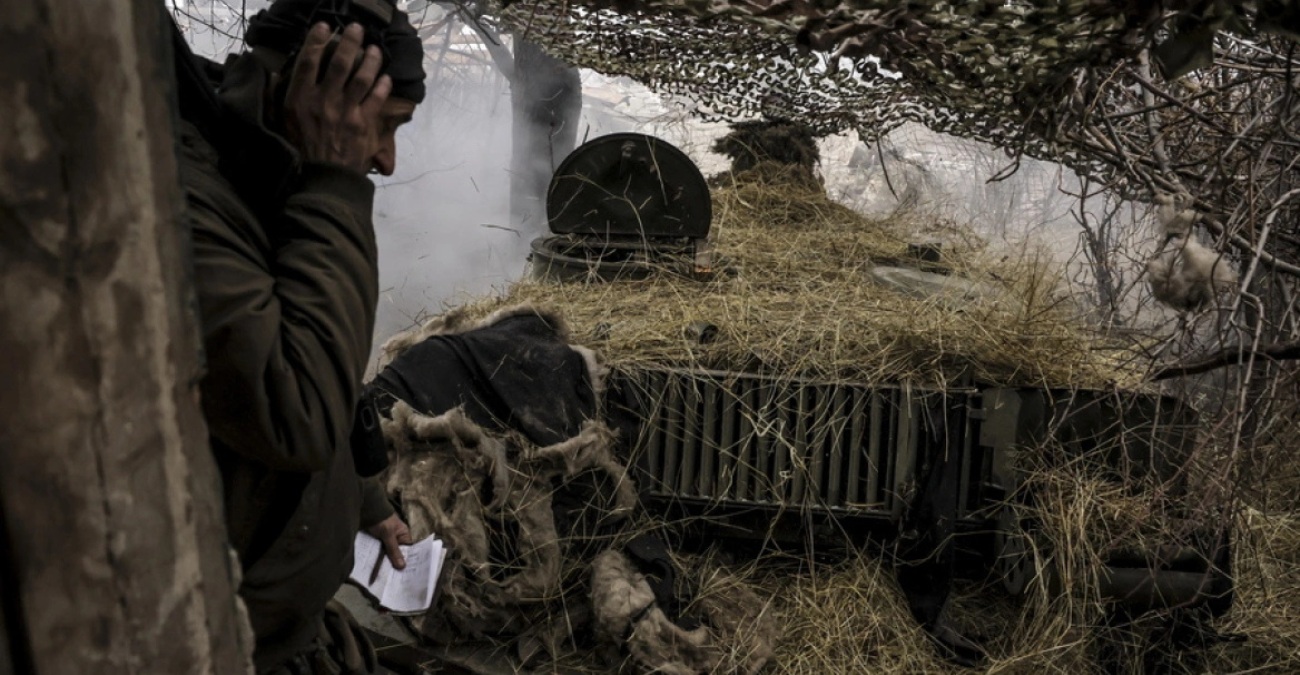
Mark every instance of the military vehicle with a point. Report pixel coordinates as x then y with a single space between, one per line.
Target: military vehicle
790 460
748 457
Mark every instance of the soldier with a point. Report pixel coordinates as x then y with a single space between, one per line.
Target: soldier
274 160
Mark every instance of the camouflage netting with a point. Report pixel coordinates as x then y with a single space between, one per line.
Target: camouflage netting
1146 97
1001 72
737 70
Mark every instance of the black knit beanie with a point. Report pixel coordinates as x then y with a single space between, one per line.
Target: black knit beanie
283 27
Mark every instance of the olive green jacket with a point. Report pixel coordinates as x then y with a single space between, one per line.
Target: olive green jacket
286 277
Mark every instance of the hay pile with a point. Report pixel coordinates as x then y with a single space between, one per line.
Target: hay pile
851 618
751 143
734 633
794 296
1267 612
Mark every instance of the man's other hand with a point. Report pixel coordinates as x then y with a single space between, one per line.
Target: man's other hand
391 532
336 119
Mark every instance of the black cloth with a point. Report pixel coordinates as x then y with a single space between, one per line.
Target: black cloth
261 166
651 557
283 26
517 373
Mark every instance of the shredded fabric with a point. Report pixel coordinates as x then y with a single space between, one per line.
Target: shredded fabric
1185 275
737 634
483 494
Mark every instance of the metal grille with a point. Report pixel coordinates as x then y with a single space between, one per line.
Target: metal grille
736 437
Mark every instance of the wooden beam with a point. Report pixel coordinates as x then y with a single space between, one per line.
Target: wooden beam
109 492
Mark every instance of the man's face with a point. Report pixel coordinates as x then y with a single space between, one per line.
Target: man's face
395 113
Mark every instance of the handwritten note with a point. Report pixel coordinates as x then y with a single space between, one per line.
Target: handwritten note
405 591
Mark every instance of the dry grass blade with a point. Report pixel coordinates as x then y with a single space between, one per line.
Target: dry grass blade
795 296
795 299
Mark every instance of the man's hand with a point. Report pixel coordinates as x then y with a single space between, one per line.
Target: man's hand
391 531
336 120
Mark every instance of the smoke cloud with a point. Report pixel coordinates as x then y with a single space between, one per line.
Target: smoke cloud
442 220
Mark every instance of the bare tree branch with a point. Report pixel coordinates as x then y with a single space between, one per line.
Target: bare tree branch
1231 356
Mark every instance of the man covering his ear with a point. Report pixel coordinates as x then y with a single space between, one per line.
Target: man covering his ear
275 149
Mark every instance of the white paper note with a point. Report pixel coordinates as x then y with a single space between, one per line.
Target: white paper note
405 591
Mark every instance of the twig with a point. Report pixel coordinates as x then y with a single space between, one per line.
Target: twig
1231 356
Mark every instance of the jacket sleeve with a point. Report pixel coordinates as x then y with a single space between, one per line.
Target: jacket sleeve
288 311
375 507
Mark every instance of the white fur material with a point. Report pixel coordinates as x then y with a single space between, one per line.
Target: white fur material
596 371
462 483
1174 215
1184 274
1188 276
